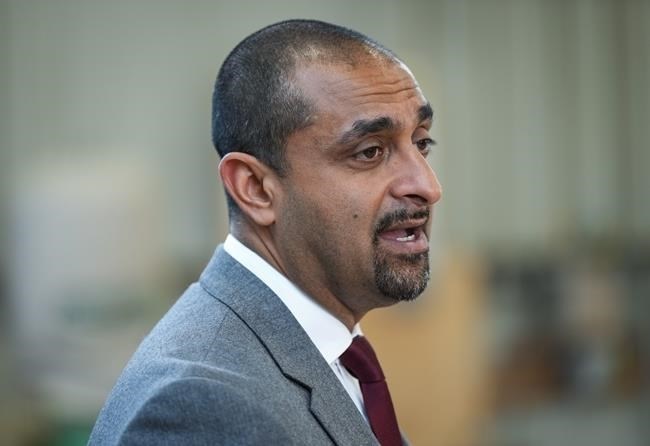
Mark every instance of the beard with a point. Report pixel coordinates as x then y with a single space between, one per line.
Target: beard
399 277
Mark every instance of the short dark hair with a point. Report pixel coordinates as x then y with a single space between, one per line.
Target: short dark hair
256 106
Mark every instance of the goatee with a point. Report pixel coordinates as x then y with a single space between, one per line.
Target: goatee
400 277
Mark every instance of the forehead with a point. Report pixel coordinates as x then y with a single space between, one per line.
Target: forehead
367 90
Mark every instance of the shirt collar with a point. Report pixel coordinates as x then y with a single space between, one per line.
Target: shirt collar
330 336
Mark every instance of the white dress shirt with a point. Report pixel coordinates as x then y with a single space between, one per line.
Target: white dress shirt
330 336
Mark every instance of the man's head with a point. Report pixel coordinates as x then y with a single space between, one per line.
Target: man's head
256 104
323 135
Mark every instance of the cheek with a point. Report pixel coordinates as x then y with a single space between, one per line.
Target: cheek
355 210
343 210
339 209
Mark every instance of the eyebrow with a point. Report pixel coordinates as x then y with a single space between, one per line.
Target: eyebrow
425 112
364 127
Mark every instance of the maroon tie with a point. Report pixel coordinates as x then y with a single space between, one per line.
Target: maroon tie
362 363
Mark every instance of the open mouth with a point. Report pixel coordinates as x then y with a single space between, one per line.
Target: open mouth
403 233
408 237
405 238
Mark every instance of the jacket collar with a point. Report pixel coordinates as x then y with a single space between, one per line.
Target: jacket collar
289 345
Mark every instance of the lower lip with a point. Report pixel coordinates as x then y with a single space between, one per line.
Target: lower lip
418 245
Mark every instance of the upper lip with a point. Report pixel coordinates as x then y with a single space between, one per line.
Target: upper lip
408 224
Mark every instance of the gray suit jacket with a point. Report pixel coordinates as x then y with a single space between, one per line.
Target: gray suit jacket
229 365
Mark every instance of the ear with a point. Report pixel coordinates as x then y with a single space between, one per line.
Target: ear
251 184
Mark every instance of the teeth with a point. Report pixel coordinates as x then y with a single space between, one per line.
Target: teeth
408 238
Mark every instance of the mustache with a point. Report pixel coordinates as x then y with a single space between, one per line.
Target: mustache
399 216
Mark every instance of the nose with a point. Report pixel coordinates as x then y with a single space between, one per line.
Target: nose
415 179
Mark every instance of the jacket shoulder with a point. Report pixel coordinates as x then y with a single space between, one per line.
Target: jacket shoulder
199 411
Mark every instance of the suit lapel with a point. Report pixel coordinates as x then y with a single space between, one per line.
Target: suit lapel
289 345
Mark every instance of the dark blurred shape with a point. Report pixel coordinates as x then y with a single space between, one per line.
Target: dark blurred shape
579 345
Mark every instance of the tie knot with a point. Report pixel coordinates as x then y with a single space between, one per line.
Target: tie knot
361 361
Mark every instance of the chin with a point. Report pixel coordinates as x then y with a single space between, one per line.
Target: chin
403 278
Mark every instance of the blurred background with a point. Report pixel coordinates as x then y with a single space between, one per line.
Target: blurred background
535 329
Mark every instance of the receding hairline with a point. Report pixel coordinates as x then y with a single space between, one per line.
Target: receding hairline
308 42
320 54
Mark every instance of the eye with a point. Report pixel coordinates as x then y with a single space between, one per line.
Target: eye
424 145
370 154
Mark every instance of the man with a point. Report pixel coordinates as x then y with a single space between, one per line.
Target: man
323 135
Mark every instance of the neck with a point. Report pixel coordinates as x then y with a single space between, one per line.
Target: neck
260 241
